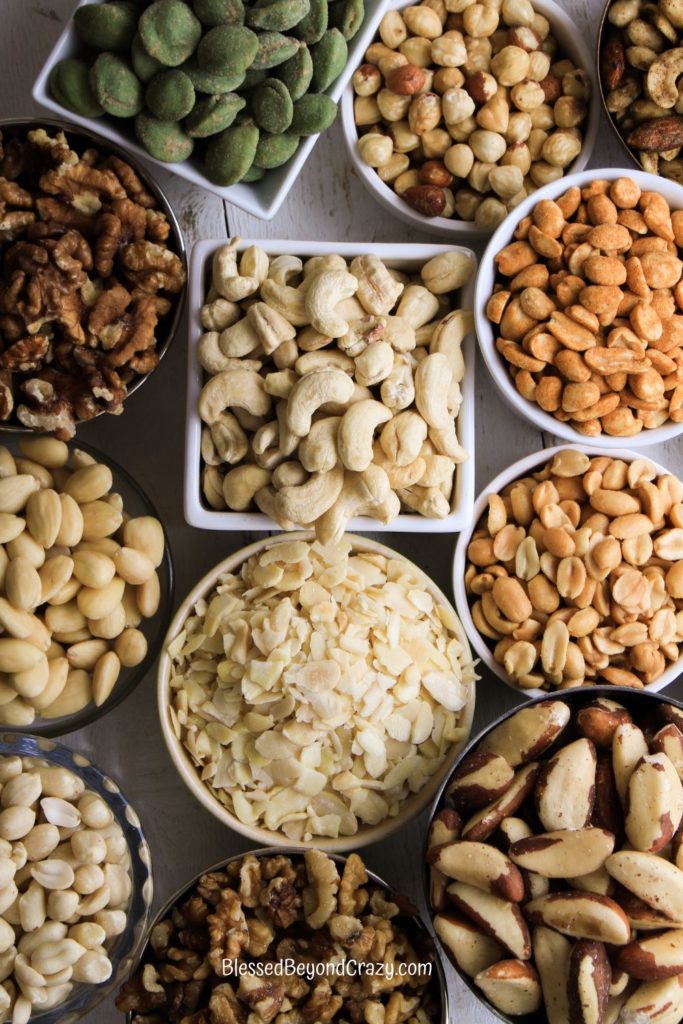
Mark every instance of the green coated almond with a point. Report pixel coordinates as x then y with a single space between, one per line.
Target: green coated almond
253 78
313 113
227 47
205 81
329 59
163 140
347 16
108 26
115 86
144 66
170 95
275 150
219 12
272 106
297 72
273 49
169 31
69 83
277 15
230 154
311 28
253 174
213 114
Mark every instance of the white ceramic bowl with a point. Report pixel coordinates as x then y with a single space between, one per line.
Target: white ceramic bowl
404 257
410 808
486 277
519 469
571 43
262 198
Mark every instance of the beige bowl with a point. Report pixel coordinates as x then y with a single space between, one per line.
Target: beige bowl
410 808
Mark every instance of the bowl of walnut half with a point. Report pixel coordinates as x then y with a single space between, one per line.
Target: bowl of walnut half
92 279
639 62
279 933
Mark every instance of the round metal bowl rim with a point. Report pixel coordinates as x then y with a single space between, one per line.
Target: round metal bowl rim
299 851
589 692
507 476
411 807
160 195
598 77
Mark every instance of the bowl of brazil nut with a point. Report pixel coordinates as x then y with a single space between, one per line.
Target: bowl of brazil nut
577 308
86 585
76 895
93 276
572 573
293 662
576 783
457 115
304 925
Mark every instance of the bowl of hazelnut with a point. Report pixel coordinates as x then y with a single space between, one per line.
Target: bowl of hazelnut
461 110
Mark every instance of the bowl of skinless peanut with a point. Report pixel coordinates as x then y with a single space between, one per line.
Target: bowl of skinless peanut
315 694
578 308
461 110
572 573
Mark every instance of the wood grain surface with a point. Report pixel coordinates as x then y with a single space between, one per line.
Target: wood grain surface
328 202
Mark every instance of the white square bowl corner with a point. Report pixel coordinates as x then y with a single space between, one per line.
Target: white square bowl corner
263 198
401 257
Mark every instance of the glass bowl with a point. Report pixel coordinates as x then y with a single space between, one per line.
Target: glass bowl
135 503
423 940
125 948
83 138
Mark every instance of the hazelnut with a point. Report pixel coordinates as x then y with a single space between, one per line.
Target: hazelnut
434 172
429 200
367 80
525 38
447 78
552 88
481 86
406 80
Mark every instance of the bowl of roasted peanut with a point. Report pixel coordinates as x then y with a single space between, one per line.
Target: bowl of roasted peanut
460 111
554 865
318 933
93 276
578 308
638 50
315 694
572 573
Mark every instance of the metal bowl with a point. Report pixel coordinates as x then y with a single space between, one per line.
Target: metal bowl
424 941
76 135
639 702
125 948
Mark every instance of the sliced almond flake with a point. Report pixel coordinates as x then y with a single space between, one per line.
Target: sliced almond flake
176 645
422 600
423 724
272 745
393 658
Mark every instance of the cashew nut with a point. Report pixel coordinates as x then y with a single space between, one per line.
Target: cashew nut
309 501
662 76
446 442
424 334
286 355
213 359
327 289
242 389
283 269
212 486
270 326
428 501
316 264
219 314
266 501
318 450
448 338
399 333
229 439
361 333
438 470
418 305
398 388
310 340
241 484
227 280
375 363
248 421
208 449
238 340
378 291
447 272
280 383
350 309
288 440
363 494
255 263
321 359
402 437
265 446
288 301
289 474
357 431
432 383
359 394
312 391
399 476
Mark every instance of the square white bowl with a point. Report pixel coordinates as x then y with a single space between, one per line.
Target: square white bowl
261 198
404 257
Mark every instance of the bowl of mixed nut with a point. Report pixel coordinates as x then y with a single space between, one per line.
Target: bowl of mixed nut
461 110
93 276
577 308
278 932
581 783
573 572
639 54
315 694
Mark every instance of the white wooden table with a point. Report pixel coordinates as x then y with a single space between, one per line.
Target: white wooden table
327 203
